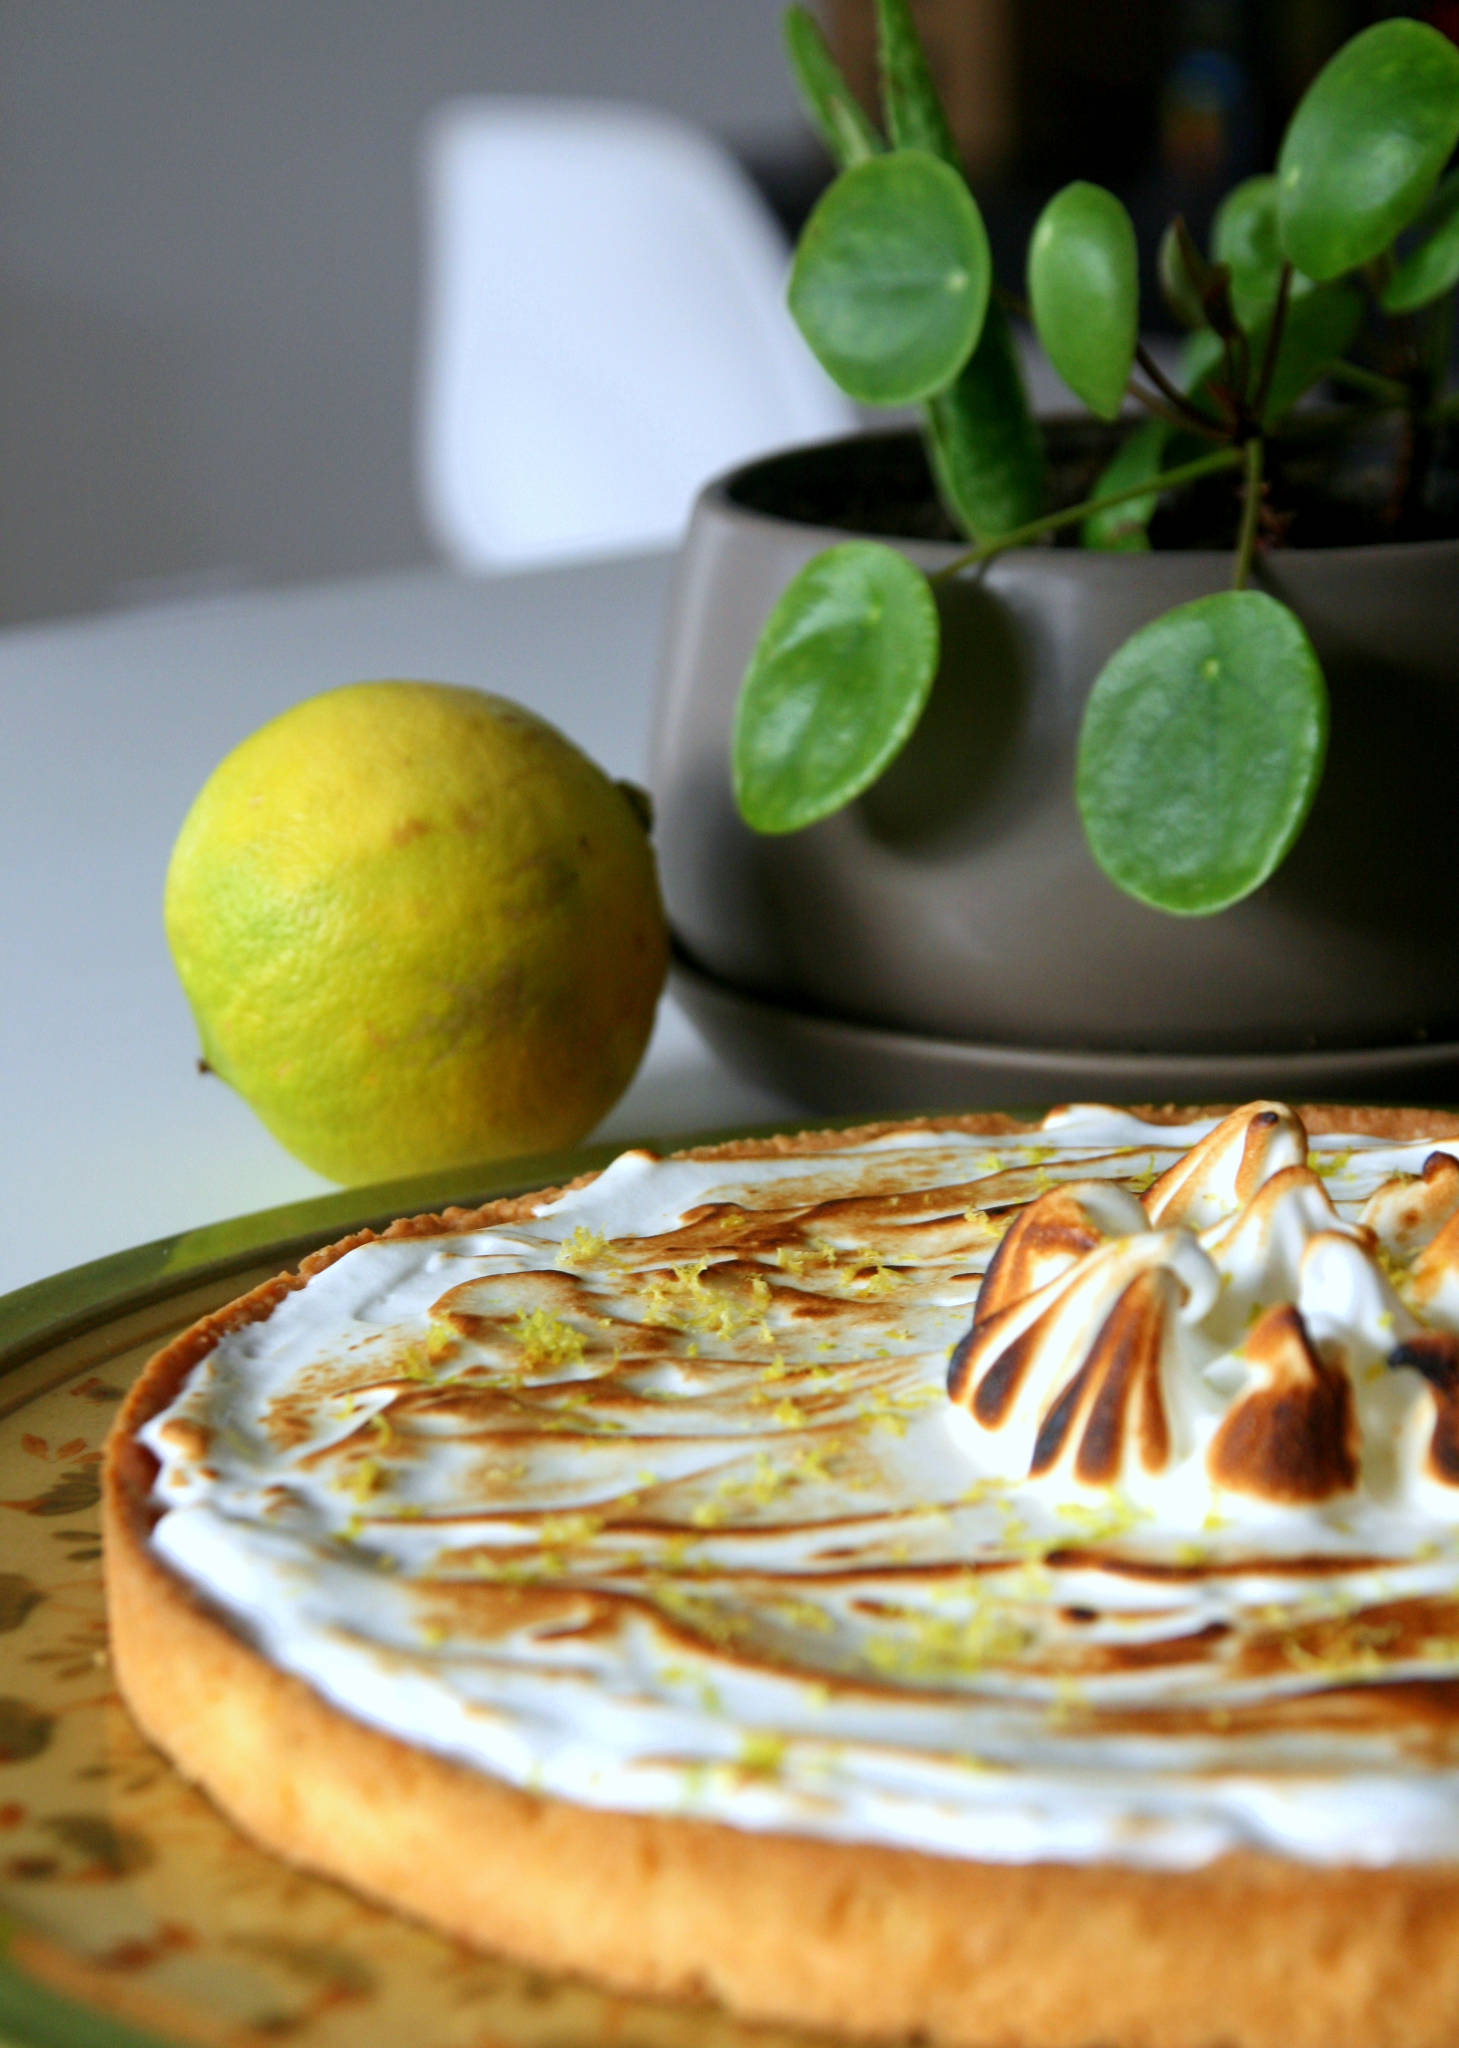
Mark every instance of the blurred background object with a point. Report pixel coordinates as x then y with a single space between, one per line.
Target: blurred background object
211 226
210 239
604 328
971 47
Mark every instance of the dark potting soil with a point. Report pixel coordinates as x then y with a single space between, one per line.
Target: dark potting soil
1332 481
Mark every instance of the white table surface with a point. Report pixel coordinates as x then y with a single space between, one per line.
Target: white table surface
109 1136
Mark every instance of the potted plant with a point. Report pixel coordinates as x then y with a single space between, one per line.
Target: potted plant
1135 733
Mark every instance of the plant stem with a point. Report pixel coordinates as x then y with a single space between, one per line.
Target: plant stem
1273 346
1387 390
1182 402
1188 421
1234 385
1070 515
1243 357
1253 457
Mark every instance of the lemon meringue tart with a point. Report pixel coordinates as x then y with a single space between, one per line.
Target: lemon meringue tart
958 1578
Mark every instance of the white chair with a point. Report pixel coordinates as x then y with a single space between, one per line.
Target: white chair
604 328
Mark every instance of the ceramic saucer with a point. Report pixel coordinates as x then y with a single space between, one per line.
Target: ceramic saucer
841 1066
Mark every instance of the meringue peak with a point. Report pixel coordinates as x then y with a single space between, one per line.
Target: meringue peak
1225 1340
1411 1209
1223 1172
1053 1234
1114 1399
1435 1354
1293 1435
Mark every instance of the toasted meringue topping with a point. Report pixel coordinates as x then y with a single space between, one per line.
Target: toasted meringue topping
654 1499
1213 1340
1293 1435
1053 1234
1072 1375
1225 1170
1435 1354
1408 1212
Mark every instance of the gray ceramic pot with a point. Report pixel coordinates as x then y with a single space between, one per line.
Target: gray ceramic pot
958 897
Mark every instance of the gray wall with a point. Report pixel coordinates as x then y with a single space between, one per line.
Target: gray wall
208 238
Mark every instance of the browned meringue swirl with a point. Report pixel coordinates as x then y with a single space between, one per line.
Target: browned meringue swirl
1112 1336
1293 1437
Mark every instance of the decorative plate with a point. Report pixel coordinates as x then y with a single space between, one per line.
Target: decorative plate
131 1914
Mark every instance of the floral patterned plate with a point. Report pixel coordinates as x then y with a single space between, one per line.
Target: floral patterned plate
131 1914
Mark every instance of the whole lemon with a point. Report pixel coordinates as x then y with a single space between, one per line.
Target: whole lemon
417 927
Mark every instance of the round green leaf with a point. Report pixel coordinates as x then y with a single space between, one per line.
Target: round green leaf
1084 292
1139 456
1244 237
1201 356
1201 751
1432 266
1320 325
983 440
835 685
890 281
1178 288
1366 144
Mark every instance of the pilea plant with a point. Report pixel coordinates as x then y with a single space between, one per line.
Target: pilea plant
1204 735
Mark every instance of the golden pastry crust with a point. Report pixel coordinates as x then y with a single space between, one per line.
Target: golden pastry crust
1250 1951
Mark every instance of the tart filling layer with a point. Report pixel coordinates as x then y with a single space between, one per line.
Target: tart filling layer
1089 1493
